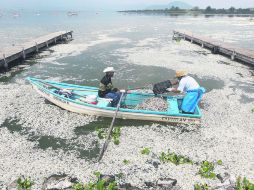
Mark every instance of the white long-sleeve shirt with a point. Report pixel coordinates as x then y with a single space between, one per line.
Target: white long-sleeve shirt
187 83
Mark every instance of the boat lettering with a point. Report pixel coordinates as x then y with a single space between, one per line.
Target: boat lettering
177 119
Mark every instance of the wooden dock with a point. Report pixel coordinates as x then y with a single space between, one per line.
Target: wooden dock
21 52
235 53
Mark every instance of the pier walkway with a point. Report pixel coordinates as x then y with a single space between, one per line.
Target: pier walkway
22 51
235 53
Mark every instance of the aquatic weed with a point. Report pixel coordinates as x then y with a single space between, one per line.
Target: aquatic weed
206 170
126 161
174 158
116 134
219 162
101 133
244 184
201 186
145 151
24 183
99 185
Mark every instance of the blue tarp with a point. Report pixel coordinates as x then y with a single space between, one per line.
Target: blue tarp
191 99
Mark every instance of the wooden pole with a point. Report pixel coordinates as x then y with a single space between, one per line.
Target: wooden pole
5 62
105 145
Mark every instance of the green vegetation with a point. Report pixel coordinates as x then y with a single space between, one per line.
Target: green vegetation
99 185
101 133
146 151
206 170
244 184
201 186
174 158
126 161
115 134
24 183
219 162
252 110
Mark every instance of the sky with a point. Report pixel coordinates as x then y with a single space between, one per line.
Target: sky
113 4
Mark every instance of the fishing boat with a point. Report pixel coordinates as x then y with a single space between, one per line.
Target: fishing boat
75 101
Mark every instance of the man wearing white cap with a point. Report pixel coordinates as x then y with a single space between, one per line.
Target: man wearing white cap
106 89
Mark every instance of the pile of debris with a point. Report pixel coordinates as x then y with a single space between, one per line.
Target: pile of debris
153 104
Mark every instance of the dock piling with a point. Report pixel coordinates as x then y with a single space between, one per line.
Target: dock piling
219 47
16 53
5 62
23 53
36 45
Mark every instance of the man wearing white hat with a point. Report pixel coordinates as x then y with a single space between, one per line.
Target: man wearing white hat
106 89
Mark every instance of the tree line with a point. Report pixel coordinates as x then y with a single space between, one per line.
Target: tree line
197 10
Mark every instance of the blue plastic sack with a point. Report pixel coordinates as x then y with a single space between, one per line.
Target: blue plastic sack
191 99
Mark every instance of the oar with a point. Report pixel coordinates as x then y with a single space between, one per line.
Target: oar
105 145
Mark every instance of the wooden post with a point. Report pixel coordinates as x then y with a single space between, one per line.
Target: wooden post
23 53
47 44
55 40
191 40
233 56
36 47
202 44
5 62
61 36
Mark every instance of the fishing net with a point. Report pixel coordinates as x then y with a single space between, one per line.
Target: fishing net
153 104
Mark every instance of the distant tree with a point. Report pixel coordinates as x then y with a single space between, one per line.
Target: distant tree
231 10
177 8
208 9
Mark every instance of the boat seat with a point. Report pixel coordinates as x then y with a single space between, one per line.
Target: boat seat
173 105
104 102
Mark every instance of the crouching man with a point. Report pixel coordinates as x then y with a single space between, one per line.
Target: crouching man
193 91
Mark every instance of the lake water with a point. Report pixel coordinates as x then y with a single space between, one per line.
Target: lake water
100 40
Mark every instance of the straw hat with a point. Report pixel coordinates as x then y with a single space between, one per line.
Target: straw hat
181 73
109 69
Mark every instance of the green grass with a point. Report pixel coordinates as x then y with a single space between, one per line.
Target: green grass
252 110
